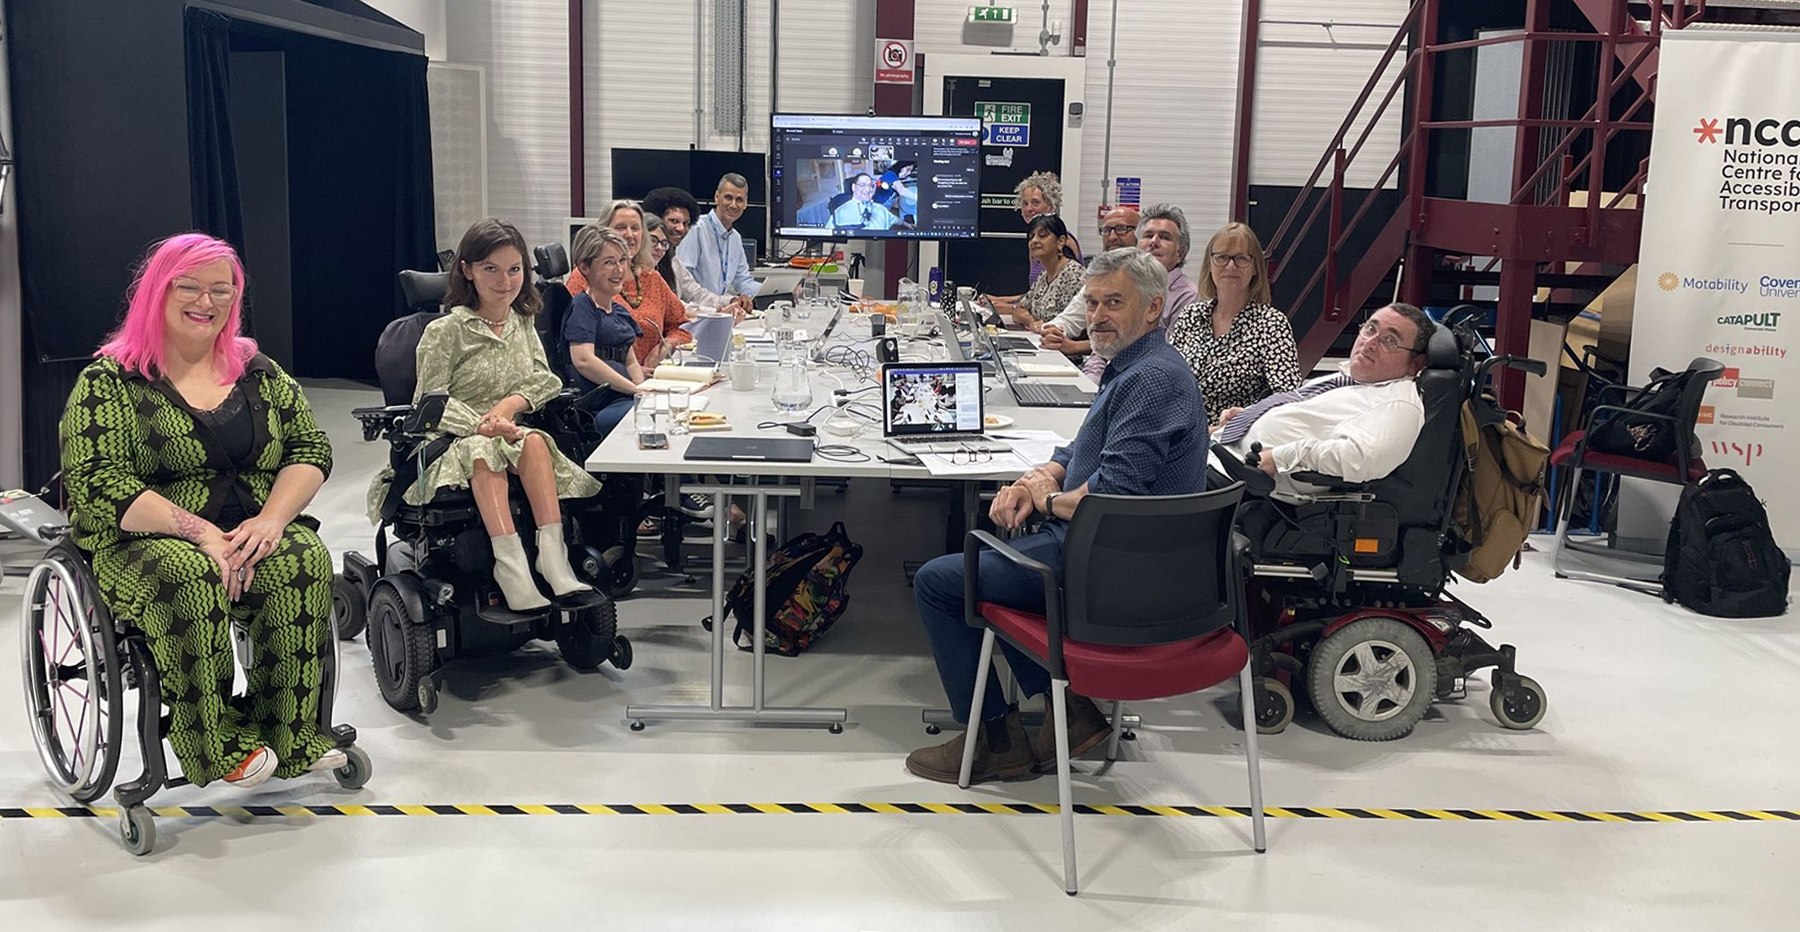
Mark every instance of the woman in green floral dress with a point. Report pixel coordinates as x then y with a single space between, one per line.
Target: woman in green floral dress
188 457
487 356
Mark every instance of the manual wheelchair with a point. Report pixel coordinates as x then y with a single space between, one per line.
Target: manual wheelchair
79 664
1348 597
428 596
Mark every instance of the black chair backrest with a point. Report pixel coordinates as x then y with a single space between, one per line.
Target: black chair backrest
549 261
424 290
1422 489
397 356
1151 569
1687 412
549 322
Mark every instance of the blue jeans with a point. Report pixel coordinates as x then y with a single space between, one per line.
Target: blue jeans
609 409
938 586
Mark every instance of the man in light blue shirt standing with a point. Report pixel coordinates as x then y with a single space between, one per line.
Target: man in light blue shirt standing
713 251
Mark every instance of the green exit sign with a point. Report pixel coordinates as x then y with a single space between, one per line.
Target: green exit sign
990 14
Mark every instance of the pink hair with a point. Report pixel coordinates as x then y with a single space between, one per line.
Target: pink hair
138 343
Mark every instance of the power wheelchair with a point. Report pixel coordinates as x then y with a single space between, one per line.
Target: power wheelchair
1348 601
428 596
80 661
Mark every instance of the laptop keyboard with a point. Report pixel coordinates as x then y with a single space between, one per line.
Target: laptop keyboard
1037 393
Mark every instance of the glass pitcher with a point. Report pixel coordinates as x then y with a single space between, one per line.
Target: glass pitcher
793 389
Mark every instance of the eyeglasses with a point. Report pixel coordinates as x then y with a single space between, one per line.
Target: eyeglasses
1222 259
1386 341
661 245
221 295
1117 229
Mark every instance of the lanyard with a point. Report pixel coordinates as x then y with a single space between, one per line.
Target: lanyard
724 263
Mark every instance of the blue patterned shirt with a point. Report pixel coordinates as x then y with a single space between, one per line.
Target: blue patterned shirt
1146 431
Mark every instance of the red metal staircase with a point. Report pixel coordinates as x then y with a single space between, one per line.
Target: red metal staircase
1561 221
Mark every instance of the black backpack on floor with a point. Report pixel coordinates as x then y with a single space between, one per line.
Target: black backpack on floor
1721 559
808 579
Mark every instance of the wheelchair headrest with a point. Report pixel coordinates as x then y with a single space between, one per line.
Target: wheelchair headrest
549 261
424 290
1444 351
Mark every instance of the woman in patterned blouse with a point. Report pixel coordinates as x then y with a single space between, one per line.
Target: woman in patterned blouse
1240 347
188 458
1062 279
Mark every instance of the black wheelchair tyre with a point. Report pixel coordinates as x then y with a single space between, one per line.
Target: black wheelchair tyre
400 642
585 638
61 592
356 771
349 610
1396 666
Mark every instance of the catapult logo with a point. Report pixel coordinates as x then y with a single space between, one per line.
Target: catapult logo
1765 322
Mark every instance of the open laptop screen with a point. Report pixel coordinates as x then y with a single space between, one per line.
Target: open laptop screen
931 398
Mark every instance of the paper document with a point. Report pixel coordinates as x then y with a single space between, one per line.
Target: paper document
1032 446
1048 370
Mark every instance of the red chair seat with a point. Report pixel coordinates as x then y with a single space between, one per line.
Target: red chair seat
1564 454
1103 671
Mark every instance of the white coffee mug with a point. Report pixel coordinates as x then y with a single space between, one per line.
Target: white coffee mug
743 375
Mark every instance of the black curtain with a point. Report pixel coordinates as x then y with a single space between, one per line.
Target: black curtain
360 197
212 162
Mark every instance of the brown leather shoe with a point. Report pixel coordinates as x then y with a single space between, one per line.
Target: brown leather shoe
1087 729
1004 755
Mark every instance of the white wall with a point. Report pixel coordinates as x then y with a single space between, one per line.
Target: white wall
1308 75
427 17
943 26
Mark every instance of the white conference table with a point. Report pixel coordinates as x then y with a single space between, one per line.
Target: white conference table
874 459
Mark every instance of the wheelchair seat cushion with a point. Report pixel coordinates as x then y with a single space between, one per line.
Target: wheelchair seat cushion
1101 671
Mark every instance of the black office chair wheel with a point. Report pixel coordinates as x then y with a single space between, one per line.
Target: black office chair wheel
933 730
137 830
637 726
588 637
349 608
401 644
356 771
621 656
836 728
1372 679
1274 706
1521 707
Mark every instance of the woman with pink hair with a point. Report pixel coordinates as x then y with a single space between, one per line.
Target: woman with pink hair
187 457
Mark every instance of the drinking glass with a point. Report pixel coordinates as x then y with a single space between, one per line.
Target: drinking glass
680 405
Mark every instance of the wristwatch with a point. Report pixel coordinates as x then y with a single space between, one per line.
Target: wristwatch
1050 500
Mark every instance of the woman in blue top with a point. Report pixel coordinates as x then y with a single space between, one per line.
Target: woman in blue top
600 331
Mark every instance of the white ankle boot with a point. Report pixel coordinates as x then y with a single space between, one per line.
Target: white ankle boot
553 562
514 576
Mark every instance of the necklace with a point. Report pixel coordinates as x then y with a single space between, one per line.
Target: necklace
634 296
494 325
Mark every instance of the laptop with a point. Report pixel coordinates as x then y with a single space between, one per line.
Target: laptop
1032 394
751 449
934 407
712 337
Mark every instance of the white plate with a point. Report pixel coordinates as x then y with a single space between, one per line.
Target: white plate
996 422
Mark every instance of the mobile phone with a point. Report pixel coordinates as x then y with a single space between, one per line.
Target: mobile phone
656 441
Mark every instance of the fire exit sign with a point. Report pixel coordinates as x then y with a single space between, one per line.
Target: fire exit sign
990 14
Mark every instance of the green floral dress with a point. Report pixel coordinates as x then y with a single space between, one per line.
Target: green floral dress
124 435
459 354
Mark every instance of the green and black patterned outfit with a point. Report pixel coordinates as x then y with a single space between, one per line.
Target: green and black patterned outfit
123 435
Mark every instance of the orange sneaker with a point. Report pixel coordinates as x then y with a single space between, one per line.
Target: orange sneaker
253 770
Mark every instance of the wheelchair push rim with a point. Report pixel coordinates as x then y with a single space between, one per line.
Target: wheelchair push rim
70 670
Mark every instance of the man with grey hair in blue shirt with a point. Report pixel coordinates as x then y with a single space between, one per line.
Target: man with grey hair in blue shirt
1144 435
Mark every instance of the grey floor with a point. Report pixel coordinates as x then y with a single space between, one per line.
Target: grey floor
1652 709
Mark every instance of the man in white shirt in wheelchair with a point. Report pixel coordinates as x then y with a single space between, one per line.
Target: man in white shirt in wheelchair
1358 425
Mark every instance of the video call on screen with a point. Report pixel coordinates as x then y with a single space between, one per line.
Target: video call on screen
874 177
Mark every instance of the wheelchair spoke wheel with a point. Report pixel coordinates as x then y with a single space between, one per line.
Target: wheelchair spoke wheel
73 688
1372 679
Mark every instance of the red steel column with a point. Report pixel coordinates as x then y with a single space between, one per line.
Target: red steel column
894 20
1415 286
577 115
1246 107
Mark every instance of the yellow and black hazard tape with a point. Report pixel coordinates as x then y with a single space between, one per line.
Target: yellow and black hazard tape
628 809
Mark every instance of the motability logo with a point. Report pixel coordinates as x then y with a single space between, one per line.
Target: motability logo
1669 281
1780 286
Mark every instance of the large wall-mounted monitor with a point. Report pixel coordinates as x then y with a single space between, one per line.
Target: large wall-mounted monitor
863 177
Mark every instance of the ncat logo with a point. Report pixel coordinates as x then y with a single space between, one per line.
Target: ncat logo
1745 132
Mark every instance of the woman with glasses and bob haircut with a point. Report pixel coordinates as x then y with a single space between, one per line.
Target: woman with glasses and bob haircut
187 458
1240 347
